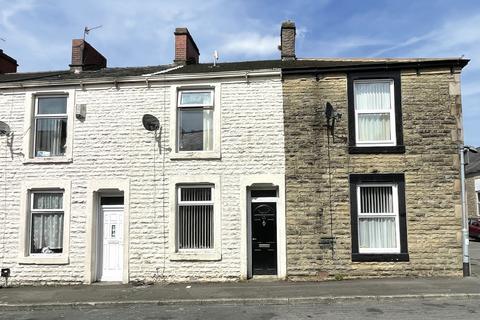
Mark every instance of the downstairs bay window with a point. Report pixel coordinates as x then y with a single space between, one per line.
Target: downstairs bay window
378 217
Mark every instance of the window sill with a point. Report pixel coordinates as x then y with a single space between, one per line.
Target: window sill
40 260
380 257
48 160
376 149
194 155
195 256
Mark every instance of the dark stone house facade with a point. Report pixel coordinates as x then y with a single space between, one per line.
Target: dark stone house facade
334 182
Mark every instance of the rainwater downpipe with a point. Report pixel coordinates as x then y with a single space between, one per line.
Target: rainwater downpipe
465 238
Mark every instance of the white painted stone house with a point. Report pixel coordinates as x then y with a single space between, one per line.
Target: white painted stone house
88 194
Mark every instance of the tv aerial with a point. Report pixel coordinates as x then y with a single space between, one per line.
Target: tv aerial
150 123
87 30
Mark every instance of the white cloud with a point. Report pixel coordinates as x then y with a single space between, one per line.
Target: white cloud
9 10
251 44
449 40
343 45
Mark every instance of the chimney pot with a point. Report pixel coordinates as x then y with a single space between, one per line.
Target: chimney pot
287 38
186 51
7 63
85 57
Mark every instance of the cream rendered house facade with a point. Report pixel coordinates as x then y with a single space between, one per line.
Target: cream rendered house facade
91 195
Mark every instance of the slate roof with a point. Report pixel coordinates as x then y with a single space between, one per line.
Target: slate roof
295 66
473 167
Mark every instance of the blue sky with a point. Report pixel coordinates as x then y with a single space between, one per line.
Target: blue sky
38 33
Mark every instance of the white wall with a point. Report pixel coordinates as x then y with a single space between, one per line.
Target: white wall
112 144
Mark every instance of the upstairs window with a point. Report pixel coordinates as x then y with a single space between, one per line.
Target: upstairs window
374 112
50 135
195 217
195 120
46 216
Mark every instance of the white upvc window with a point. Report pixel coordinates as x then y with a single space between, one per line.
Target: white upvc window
46 222
50 127
378 218
195 217
44 235
195 125
374 102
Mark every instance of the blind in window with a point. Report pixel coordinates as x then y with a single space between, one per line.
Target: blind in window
377 219
376 200
195 218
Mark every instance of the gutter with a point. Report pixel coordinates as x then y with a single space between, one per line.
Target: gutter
460 63
139 79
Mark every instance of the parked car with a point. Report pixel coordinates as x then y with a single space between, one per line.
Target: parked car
474 228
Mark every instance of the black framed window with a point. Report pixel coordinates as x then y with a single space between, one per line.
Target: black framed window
378 217
375 113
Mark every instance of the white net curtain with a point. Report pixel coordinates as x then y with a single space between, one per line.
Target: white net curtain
373 106
47 223
377 218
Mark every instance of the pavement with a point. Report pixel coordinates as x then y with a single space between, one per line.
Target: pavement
252 292
240 293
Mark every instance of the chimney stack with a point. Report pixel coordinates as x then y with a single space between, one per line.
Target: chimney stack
85 57
186 51
7 63
287 38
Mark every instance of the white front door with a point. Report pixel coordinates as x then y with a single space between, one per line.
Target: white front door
112 244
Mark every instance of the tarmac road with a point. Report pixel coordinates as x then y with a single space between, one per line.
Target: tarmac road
371 309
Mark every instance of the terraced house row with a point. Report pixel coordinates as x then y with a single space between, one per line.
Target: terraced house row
302 169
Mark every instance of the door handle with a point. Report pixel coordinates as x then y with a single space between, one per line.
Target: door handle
254 239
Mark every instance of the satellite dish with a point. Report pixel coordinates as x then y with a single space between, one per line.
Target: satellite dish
4 129
150 122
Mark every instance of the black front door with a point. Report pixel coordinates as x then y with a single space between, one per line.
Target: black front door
264 238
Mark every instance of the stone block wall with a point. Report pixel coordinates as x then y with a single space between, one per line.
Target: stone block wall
318 168
112 144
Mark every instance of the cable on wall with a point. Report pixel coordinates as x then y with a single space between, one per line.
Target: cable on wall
164 185
330 192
